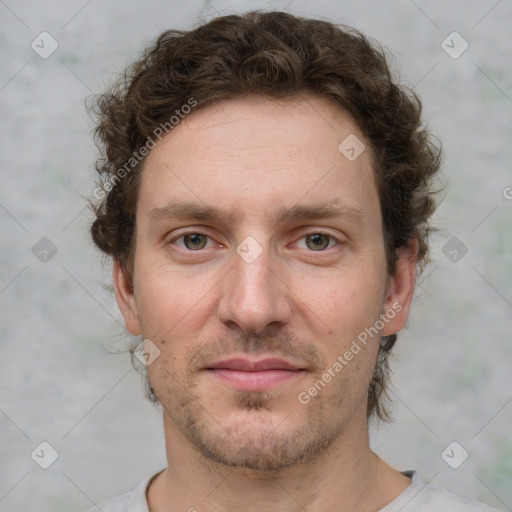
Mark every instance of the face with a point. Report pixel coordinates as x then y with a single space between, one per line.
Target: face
259 260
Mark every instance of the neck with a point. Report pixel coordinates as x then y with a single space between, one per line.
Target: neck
346 477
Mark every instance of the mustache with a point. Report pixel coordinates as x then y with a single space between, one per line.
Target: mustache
280 344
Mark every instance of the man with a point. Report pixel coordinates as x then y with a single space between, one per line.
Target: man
265 197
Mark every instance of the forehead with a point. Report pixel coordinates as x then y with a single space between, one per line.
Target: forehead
251 155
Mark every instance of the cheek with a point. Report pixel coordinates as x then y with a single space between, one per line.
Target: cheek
346 301
164 294
162 303
174 308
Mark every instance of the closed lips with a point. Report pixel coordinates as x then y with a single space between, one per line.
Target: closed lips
246 365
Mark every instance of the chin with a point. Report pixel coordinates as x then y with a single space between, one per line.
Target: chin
257 440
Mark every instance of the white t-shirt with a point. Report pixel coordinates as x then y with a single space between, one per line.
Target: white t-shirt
418 497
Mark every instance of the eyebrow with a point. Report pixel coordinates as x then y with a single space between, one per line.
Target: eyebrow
182 210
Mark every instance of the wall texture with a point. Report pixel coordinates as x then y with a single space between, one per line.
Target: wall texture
59 325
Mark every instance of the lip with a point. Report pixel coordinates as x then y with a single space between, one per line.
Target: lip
254 375
248 365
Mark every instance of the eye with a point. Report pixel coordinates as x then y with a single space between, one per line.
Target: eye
192 241
319 241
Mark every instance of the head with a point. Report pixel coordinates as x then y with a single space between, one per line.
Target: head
265 190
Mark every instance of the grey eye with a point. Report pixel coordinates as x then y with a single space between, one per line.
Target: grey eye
317 241
195 241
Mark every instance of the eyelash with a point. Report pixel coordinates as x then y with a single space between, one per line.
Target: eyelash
192 232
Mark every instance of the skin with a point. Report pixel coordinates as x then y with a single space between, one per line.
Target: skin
199 301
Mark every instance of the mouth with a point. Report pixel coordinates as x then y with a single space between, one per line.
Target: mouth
254 375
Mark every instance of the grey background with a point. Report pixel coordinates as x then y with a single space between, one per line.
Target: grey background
58 382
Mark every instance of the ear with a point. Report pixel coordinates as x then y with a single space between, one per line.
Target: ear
400 288
126 299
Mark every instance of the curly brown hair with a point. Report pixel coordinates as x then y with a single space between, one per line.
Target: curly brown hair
277 55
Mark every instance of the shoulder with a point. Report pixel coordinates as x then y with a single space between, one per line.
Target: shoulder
420 497
436 498
133 501
117 504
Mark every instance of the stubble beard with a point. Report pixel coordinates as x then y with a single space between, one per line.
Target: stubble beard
257 443
264 440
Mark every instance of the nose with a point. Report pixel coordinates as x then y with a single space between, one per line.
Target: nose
253 296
